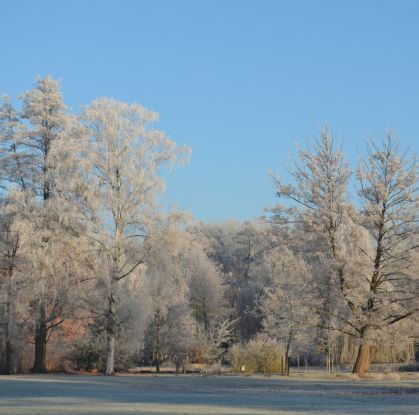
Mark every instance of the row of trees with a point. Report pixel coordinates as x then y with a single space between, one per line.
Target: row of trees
92 264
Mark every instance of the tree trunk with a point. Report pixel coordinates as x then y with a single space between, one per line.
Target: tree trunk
9 349
156 348
110 337
286 368
110 354
8 364
40 363
362 360
9 356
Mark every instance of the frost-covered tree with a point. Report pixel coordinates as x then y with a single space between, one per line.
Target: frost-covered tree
287 304
181 336
214 341
120 181
167 278
9 247
14 159
206 292
33 165
317 213
12 178
389 291
45 217
238 249
186 292
368 255
44 109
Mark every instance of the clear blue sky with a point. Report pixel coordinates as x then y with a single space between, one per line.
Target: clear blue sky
241 82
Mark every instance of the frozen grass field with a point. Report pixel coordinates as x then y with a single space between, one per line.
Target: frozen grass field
82 394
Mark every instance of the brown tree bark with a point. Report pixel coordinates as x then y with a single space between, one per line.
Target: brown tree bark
362 360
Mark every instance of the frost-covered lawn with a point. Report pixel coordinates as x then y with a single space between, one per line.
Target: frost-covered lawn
82 394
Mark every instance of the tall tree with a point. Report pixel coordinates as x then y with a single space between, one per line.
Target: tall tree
120 180
369 254
388 192
317 215
45 216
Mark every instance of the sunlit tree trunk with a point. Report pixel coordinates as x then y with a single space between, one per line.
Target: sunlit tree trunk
362 360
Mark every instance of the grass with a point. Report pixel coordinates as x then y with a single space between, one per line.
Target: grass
207 395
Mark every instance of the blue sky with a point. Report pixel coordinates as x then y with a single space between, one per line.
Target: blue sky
241 82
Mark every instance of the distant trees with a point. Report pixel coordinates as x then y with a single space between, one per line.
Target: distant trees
288 303
166 282
187 299
239 250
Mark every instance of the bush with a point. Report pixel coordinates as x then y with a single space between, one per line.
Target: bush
259 355
89 355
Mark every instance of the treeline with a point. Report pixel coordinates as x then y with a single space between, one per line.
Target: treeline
95 271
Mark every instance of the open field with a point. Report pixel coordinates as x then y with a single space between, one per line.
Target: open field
133 394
